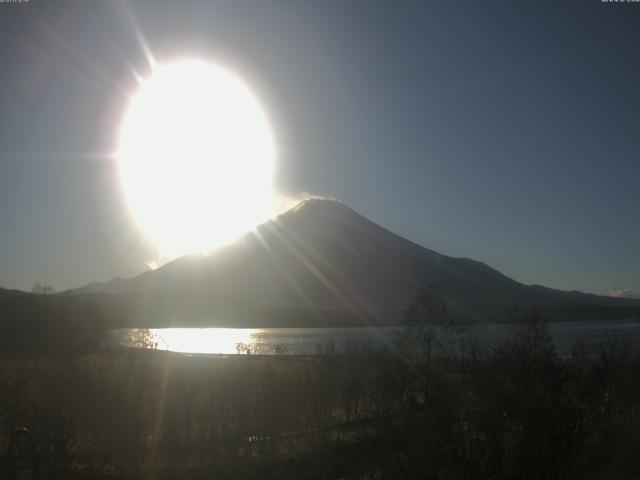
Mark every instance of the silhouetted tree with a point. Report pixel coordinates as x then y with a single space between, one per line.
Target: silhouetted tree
428 326
43 289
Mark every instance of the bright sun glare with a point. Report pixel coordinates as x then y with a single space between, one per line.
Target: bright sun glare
196 158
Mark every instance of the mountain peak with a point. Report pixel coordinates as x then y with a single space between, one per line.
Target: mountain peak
321 203
321 210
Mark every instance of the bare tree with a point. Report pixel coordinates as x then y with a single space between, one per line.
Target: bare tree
43 289
428 326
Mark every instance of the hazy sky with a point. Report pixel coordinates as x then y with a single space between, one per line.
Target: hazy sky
504 131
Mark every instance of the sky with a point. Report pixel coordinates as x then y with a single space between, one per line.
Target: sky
507 132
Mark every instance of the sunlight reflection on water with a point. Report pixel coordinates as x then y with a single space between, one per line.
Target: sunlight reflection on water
261 341
191 340
310 341
204 340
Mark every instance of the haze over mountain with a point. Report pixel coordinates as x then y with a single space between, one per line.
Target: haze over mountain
625 293
321 263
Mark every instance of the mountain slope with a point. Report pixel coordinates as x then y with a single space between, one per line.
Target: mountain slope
322 263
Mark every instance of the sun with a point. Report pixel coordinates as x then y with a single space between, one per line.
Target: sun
196 157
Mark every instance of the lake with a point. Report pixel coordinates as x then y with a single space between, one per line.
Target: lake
309 341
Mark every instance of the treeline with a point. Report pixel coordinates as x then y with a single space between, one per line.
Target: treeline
514 411
47 323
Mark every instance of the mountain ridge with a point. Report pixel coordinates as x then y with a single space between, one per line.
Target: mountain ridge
322 263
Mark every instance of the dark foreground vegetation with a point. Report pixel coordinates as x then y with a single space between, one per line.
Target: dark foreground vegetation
515 411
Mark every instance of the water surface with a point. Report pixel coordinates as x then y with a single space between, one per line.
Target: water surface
306 341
